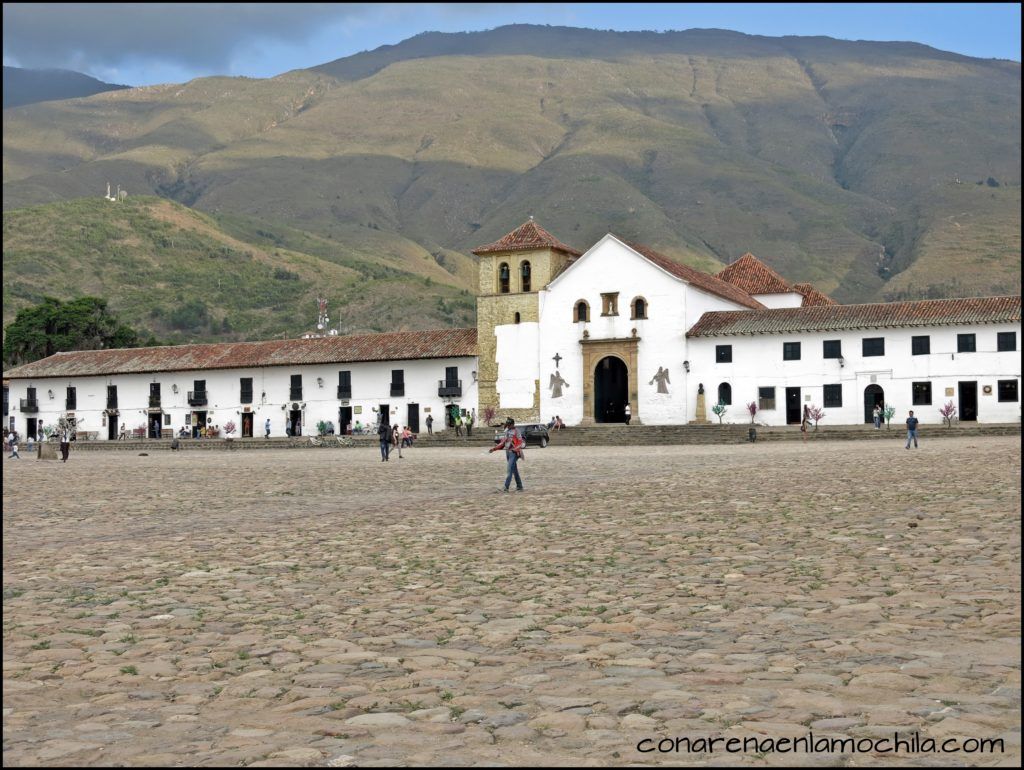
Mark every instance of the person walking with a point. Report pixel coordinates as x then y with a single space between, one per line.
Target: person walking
396 440
266 428
805 421
384 434
912 429
470 419
12 440
458 424
512 443
430 425
877 417
629 413
65 442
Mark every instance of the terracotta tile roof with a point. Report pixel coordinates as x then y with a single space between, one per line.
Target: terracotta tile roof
818 318
754 277
392 346
812 296
703 281
528 235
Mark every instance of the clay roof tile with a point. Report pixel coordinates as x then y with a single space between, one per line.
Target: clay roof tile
527 236
754 277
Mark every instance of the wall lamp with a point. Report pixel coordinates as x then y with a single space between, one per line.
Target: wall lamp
174 387
842 362
686 365
320 382
50 394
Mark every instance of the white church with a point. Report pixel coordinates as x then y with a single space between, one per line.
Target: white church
560 332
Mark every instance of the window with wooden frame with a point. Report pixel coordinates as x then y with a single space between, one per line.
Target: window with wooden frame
832 396
765 398
581 311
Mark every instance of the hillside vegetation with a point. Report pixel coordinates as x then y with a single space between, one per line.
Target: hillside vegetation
180 275
870 169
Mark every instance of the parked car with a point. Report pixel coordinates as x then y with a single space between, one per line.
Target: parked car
536 435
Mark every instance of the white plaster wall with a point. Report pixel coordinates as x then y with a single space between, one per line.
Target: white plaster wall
516 354
789 299
611 266
371 387
757 362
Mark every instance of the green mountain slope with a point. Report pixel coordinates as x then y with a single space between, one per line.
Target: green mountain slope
836 162
185 277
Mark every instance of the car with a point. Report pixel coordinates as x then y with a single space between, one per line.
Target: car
535 434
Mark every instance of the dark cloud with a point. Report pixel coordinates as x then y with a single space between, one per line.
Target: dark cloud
196 36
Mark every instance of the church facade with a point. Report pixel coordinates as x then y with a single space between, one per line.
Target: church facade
573 334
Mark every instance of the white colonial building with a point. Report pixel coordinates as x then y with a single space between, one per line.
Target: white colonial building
295 384
577 335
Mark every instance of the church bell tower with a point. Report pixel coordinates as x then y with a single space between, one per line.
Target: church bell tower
512 272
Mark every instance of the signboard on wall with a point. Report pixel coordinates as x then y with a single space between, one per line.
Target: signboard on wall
950 392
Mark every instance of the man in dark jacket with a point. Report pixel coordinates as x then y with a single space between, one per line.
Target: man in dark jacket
384 434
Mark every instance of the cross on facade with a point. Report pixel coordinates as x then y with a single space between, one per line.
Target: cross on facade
557 359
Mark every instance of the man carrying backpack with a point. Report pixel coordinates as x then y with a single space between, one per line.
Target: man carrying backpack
513 445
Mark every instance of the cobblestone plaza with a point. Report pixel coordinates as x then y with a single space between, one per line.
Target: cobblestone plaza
313 607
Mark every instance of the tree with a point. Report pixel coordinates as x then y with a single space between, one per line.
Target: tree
53 326
888 412
720 409
948 413
816 413
752 408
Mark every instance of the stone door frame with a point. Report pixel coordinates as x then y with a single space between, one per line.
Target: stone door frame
625 349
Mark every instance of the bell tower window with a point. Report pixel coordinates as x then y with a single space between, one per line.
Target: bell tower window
524 272
503 278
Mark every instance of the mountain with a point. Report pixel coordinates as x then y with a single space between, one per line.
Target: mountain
22 86
873 170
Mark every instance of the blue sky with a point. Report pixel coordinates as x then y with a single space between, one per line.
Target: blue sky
142 44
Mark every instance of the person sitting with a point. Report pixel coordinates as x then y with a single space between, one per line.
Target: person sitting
359 427
407 436
551 423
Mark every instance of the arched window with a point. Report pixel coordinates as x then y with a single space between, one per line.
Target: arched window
503 278
639 308
725 394
517 318
581 312
524 274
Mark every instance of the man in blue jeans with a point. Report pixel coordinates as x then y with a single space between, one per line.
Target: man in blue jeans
911 429
512 443
384 434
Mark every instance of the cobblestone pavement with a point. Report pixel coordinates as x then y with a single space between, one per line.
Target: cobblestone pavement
324 608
